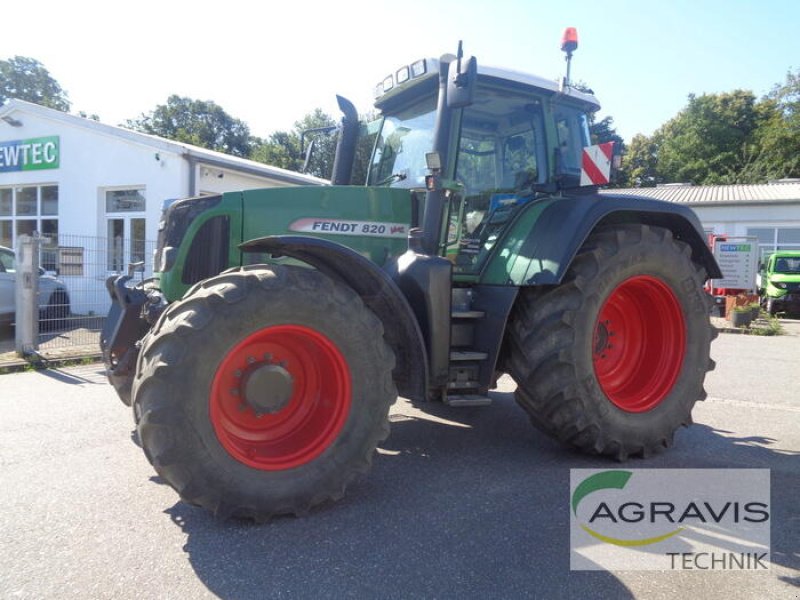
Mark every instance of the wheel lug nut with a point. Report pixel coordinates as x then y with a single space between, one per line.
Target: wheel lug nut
250 360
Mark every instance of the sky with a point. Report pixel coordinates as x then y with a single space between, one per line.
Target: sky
271 63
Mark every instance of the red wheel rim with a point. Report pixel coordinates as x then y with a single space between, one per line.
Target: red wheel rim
296 428
639 344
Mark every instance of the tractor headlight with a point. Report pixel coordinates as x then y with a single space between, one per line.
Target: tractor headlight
779 284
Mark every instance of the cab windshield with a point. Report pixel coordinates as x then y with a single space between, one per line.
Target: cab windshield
787 265
403 141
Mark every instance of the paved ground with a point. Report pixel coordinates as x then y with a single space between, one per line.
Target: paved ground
468 503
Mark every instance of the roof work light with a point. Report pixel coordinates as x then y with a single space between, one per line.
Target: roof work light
569 41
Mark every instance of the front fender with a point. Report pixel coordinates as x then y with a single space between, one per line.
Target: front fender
541 242
375 288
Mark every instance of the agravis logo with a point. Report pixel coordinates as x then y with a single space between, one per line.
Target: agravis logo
612 480
660 518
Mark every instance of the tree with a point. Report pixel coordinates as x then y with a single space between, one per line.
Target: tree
778 136
640 162
199 122
27 79
711 140
283 148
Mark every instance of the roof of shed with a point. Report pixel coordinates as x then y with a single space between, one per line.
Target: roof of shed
777 192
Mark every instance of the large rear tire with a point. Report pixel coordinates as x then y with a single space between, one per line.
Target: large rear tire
613 360
264 391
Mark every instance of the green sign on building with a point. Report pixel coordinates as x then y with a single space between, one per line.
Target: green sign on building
30 155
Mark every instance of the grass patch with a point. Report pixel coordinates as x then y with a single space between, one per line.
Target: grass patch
765 325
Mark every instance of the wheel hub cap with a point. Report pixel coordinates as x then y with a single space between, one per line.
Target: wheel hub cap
268 389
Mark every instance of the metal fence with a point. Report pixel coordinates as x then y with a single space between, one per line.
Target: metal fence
71 302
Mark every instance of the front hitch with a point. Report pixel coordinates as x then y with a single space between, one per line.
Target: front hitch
123 328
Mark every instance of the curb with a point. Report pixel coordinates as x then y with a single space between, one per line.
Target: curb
19 365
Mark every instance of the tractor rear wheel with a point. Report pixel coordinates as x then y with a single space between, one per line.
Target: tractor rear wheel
613 360
264 391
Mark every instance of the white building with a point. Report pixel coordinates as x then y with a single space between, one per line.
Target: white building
97 190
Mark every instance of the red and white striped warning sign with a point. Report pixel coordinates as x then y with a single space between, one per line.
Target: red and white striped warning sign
596 164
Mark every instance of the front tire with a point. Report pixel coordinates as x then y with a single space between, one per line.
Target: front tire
613 360
264 391
772 310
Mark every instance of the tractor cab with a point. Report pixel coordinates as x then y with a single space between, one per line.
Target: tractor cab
517 138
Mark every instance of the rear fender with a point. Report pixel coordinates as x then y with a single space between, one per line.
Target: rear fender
544 238
375 288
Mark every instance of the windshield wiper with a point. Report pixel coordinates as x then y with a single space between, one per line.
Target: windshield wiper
392 178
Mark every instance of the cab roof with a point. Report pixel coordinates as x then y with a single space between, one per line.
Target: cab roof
431 72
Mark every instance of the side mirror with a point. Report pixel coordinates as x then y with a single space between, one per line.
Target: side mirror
462 76
309 152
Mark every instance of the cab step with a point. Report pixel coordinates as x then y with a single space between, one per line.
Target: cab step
468 314
460 400
462 355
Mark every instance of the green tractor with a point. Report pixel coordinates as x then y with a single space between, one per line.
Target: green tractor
262 359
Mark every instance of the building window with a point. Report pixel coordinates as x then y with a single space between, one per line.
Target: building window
125 223
131 200
771 239
49 200
28 209
788 238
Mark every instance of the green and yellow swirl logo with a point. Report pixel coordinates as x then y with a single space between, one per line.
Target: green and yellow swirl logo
604 481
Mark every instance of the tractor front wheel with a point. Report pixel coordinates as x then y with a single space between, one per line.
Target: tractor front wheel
613 360
264 391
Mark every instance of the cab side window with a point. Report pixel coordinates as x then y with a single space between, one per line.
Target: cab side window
573 135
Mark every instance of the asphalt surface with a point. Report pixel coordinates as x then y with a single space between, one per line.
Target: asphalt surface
467 503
